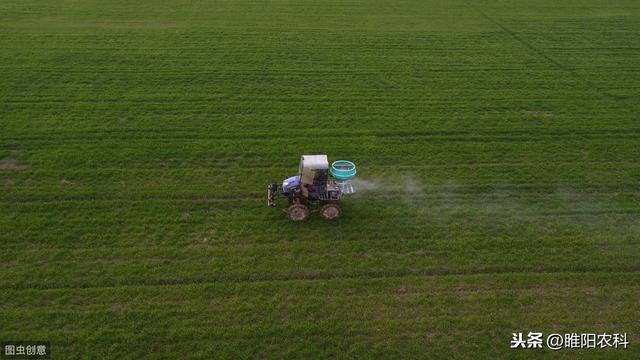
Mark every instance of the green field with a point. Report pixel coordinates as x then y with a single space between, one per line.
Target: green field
498 143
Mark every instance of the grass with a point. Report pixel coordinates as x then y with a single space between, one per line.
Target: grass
500 138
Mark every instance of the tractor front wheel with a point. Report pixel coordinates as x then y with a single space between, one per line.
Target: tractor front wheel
298 212
330 212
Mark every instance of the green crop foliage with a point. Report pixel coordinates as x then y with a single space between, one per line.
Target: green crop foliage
497 144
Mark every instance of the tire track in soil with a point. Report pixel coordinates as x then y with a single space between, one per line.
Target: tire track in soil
255 278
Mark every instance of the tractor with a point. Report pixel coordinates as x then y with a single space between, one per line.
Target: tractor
316 187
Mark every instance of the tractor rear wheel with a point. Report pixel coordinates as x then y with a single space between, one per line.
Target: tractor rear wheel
298 212
330 211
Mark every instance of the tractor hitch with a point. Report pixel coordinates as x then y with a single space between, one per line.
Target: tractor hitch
272 193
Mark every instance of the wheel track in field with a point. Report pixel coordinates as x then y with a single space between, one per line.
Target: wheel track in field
541 54
241 166
370 275
449 197
144 137
438 249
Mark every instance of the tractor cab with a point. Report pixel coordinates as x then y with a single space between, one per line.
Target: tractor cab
314 173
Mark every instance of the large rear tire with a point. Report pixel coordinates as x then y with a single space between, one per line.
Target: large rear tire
330 212
298 212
